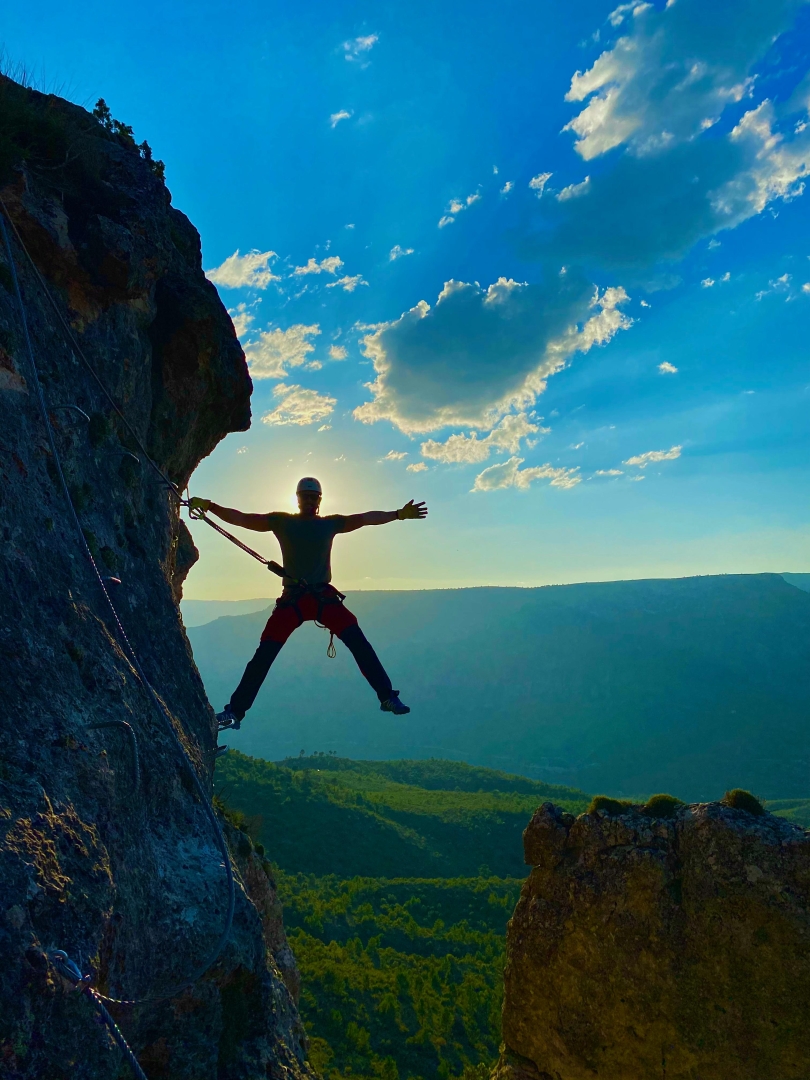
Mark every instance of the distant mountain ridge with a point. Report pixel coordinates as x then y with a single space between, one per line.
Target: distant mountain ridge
688 685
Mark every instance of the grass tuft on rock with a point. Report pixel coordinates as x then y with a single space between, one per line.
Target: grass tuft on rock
613 807
740 799
661 806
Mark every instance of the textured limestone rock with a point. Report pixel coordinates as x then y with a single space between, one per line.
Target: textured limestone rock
126 878
675 949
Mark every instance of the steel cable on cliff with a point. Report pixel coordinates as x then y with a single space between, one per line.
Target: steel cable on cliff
129 650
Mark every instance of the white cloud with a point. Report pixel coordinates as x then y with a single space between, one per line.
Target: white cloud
251 271
455 206
336 117
348 284
507 187
349 226
358 48
479 352
806 287
778 285
398 252
338 352
242 319
707 282
538 183
417 466
299 406
325 427
643 460
656 93
726 276
668 79
509 474
467 449
573 191
330 265
645 303
395 455
277 350
667 369
619 14
609 472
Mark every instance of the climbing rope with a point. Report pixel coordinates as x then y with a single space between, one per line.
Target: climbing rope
127 647
72 974
122 725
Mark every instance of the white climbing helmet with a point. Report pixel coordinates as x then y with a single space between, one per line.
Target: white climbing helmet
309 483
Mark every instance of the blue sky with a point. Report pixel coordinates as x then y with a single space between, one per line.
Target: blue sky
543 265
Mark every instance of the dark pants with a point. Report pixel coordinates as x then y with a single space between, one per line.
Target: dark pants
287 617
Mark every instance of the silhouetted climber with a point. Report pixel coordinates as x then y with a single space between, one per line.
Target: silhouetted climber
306 548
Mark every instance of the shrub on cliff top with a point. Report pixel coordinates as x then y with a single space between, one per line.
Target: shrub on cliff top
661 806
739 799
613 807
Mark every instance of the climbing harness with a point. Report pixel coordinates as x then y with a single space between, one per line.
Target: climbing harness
128 649
70 972
324 593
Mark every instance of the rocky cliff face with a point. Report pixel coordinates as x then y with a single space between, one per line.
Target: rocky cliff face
660 948
122 873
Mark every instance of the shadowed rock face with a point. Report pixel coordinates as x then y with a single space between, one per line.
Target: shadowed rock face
127 879
676 949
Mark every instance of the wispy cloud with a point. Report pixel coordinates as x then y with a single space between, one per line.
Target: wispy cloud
357 49
275 350
330 265
395 455
456 206
651 456
250 271
574 191
417 466
778 285
667 369
398 252
538 183
336 117
298 406
609 472
469 449
347 283
509 474
507 187
338 352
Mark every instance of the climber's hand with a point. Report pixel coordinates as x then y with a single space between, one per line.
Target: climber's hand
195 503
412 510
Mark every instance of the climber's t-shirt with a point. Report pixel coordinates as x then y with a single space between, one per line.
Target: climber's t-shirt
306 545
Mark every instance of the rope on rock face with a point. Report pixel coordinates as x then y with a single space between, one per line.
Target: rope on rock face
127 647
71 973
133 741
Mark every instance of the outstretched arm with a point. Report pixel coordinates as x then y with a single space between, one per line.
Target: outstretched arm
255 522
411 509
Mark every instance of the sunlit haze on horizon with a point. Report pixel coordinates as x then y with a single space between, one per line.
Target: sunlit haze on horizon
544 266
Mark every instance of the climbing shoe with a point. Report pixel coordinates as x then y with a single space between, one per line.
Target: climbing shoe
226 719
220 751
394 705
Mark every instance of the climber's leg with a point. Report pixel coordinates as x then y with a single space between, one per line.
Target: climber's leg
282 622
367 660
255 674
